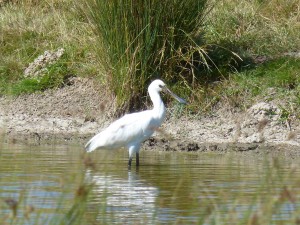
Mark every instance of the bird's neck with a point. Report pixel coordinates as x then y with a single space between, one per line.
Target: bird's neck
159 110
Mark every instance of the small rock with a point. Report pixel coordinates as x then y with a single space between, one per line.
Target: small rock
255 138
39 65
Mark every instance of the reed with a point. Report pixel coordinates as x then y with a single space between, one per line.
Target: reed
143 40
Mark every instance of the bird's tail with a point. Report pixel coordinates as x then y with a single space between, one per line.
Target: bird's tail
94 143
88 147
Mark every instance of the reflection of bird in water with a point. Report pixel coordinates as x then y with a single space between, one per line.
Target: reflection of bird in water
132 129
126 198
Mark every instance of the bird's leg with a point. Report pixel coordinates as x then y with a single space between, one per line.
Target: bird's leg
129 162
134 149
137 158
131 150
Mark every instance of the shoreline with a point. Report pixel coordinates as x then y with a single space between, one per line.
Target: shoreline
71 115
285 149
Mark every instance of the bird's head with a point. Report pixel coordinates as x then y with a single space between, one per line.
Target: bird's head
159 85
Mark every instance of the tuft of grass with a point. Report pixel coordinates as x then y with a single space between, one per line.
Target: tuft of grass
143 40
54 76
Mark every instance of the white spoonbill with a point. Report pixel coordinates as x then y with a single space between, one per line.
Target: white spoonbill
132 129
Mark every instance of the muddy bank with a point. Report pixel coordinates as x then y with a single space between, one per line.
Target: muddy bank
273 149
82 108
67 113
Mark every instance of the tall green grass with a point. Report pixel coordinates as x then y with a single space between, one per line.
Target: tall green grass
255 27
142 40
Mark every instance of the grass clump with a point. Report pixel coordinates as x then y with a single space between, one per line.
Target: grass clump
55 76
143 40
28 29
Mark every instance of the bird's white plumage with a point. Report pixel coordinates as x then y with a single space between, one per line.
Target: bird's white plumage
124 132
132 129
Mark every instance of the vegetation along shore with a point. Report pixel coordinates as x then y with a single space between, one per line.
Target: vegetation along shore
237 63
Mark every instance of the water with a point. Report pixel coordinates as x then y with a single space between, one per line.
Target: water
168 188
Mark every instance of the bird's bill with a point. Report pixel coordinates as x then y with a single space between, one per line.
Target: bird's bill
181 100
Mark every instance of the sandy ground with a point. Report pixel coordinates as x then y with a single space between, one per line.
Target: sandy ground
77 111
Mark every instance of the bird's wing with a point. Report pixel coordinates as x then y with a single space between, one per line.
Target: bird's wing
131 128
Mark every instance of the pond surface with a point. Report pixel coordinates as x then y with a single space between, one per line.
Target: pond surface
168 187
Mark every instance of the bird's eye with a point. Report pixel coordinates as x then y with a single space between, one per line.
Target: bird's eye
160 85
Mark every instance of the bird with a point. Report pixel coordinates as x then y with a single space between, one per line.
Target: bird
131 130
